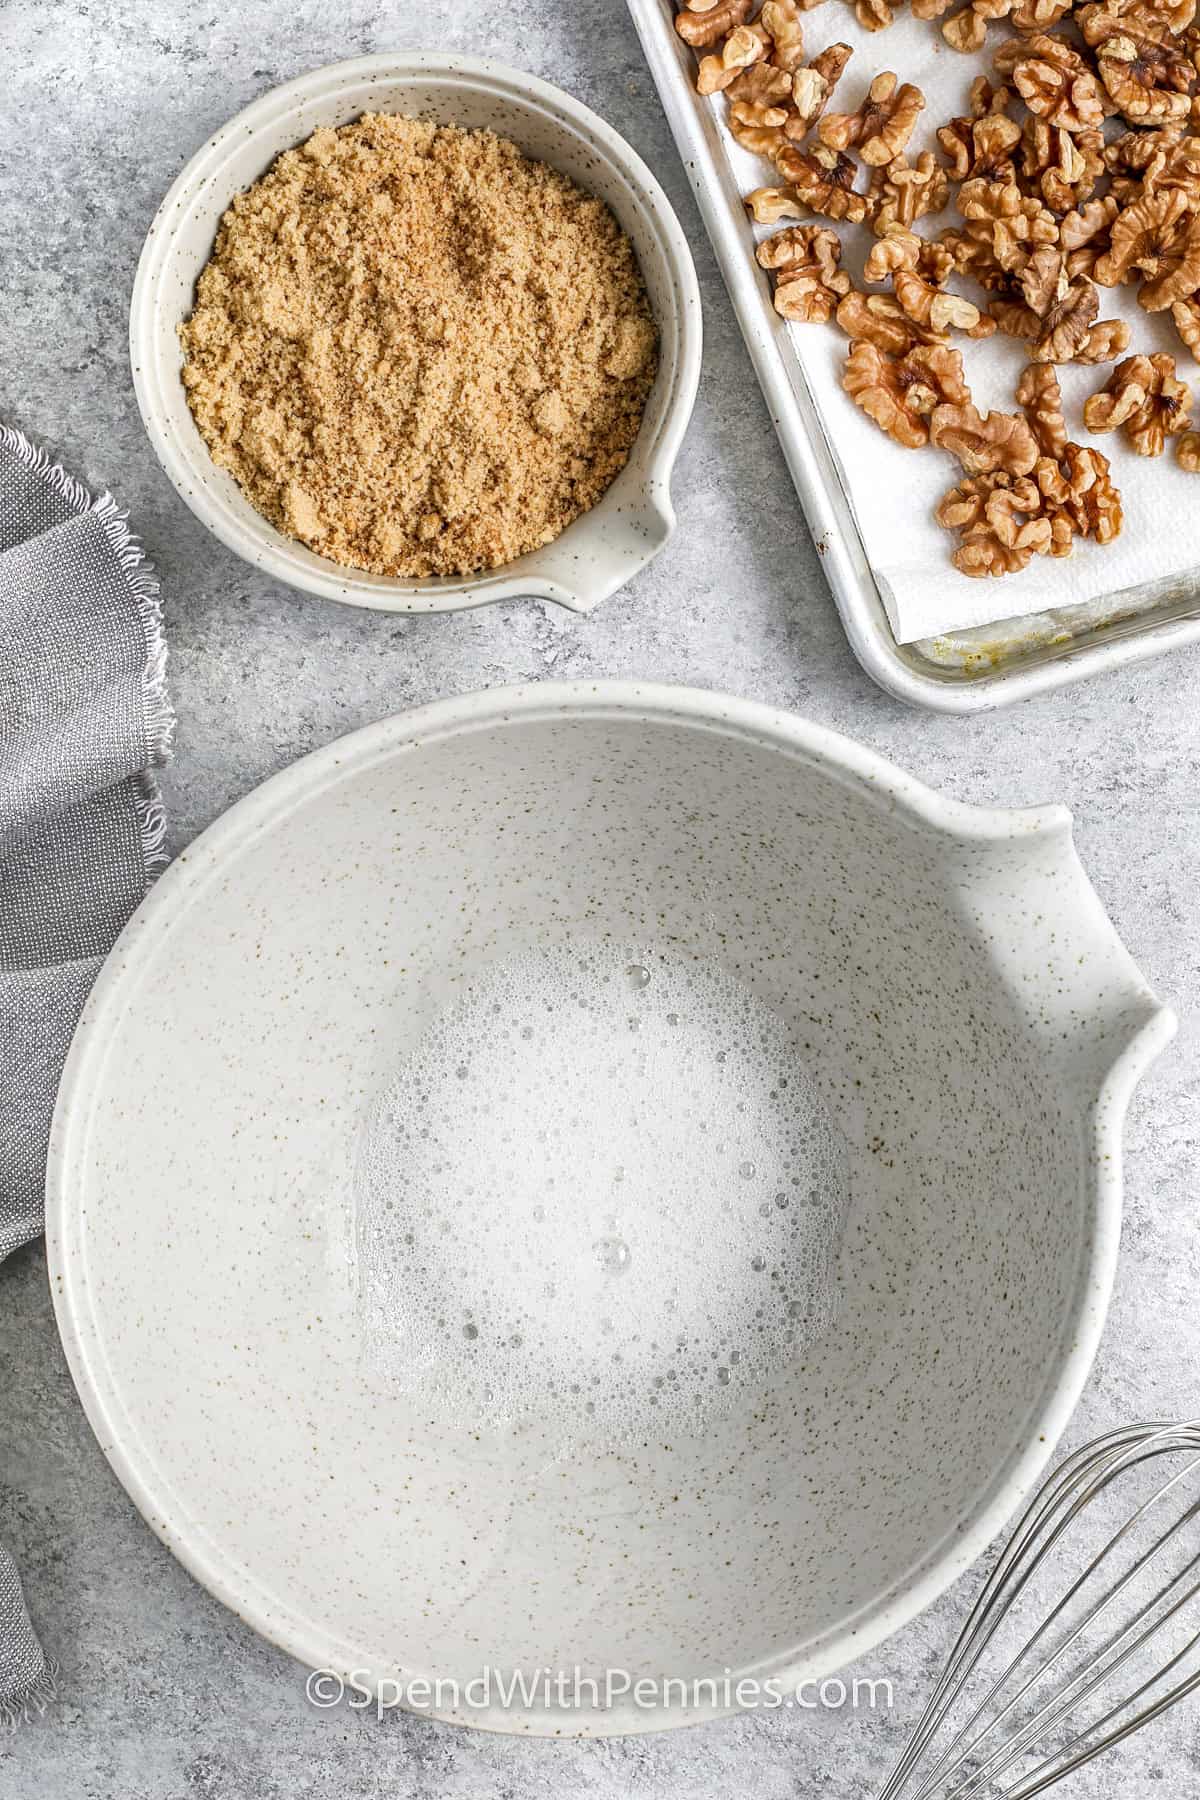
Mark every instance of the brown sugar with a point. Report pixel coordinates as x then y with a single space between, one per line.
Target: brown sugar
418 351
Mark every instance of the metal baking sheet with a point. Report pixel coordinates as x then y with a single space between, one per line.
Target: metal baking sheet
966 671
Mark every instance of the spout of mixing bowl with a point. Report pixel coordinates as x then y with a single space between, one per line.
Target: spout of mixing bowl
1046 934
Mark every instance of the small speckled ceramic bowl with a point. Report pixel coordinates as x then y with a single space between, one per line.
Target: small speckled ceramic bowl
599 551
975 1025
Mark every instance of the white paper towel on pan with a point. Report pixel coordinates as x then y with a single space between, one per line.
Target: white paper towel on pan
893 491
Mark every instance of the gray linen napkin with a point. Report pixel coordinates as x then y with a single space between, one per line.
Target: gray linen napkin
84 717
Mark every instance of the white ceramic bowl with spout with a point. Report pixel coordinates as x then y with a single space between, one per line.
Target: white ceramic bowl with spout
599 551
952 981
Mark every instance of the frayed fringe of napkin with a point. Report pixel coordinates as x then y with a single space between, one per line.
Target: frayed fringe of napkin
30 1704
143 586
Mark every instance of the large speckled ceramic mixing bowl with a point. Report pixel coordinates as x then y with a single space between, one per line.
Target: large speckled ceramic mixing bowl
955 992
600 550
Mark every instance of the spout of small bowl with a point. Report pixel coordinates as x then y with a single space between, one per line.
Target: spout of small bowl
633 534
656 519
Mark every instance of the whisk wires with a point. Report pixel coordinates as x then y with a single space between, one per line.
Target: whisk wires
1040 1693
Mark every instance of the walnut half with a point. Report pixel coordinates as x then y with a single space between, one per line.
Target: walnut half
1054 81
882 125
1156 236
1186 314
901 393
808 280
824 179
1078 488
984 444
1040 399
700 26
1144 399
879 319
1000 520
903 192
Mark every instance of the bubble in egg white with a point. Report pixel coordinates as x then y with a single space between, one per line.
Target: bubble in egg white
556 1220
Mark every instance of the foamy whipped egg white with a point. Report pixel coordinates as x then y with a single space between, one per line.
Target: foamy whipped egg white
603 1190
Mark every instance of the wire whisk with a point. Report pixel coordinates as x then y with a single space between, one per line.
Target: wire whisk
1061 1620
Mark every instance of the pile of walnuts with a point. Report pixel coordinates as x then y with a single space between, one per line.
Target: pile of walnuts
1077 168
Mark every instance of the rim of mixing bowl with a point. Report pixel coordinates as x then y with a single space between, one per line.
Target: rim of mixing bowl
572 577
184 882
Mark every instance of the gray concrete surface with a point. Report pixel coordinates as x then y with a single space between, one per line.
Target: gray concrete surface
164 1693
